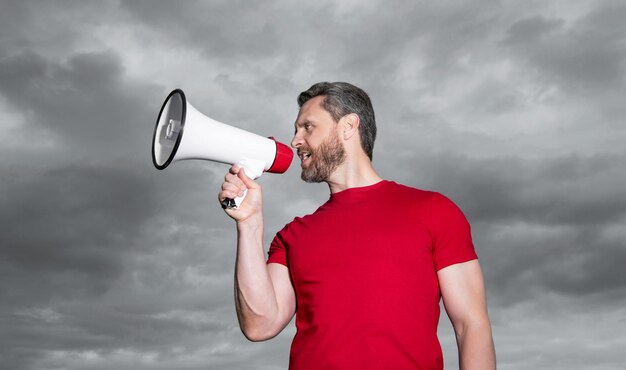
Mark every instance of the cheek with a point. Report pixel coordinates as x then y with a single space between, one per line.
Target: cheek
307 141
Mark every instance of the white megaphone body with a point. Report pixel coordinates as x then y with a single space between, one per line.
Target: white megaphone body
182 132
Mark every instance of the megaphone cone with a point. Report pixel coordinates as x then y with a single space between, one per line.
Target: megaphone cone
182 132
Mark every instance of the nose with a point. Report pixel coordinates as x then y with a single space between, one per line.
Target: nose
296 141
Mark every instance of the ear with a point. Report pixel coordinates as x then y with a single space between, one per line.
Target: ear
350 125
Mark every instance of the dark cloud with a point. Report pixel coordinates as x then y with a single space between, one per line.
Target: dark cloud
572 190
85 101
223 30
523 263
68 229
544 225
103 260
586 55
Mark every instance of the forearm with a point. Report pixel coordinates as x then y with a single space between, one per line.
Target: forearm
476 349
255 299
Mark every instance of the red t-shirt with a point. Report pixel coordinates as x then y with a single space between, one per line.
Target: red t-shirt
364 269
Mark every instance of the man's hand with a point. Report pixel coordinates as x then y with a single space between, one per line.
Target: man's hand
235 184
264 297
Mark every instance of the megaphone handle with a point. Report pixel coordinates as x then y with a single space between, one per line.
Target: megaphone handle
230 203
253 169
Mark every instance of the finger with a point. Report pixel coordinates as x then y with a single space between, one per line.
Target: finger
234 180
227 195
234 169
234 189
248 182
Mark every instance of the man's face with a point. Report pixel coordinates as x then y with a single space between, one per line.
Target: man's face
317 141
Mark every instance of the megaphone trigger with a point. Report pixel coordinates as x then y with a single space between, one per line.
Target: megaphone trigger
231 203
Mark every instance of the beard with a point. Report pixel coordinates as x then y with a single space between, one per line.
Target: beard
324 160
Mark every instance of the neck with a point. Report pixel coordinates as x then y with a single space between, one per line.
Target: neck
353 174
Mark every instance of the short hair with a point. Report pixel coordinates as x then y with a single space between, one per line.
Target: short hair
342 98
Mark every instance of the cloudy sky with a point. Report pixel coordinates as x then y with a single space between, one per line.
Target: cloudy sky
515 110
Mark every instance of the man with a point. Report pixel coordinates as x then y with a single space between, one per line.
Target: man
365 272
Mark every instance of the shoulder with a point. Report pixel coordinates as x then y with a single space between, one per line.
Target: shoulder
433 203
437 200
410 195
401 188
299 222
442 205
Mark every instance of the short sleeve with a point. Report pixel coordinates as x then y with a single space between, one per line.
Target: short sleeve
278 252
452 239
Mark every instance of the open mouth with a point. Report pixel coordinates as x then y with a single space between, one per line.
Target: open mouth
304 156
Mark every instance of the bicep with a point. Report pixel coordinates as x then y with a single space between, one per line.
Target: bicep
463 292
285 294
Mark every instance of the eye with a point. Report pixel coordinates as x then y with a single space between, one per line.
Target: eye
307 126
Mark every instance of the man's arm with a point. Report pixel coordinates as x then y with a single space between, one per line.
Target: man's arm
463 292
264 297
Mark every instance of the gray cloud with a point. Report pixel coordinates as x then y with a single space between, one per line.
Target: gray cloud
586 56
544 225
220 29
570 190
512 110
68 229
85 101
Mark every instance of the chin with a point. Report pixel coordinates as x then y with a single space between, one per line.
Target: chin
311 179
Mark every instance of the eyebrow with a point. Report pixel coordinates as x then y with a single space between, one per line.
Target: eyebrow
303 122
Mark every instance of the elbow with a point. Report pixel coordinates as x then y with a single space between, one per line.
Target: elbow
257 333
254 335
471 327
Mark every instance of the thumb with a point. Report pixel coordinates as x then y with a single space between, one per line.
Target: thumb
247 181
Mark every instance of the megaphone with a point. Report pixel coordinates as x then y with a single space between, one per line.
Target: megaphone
182 132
